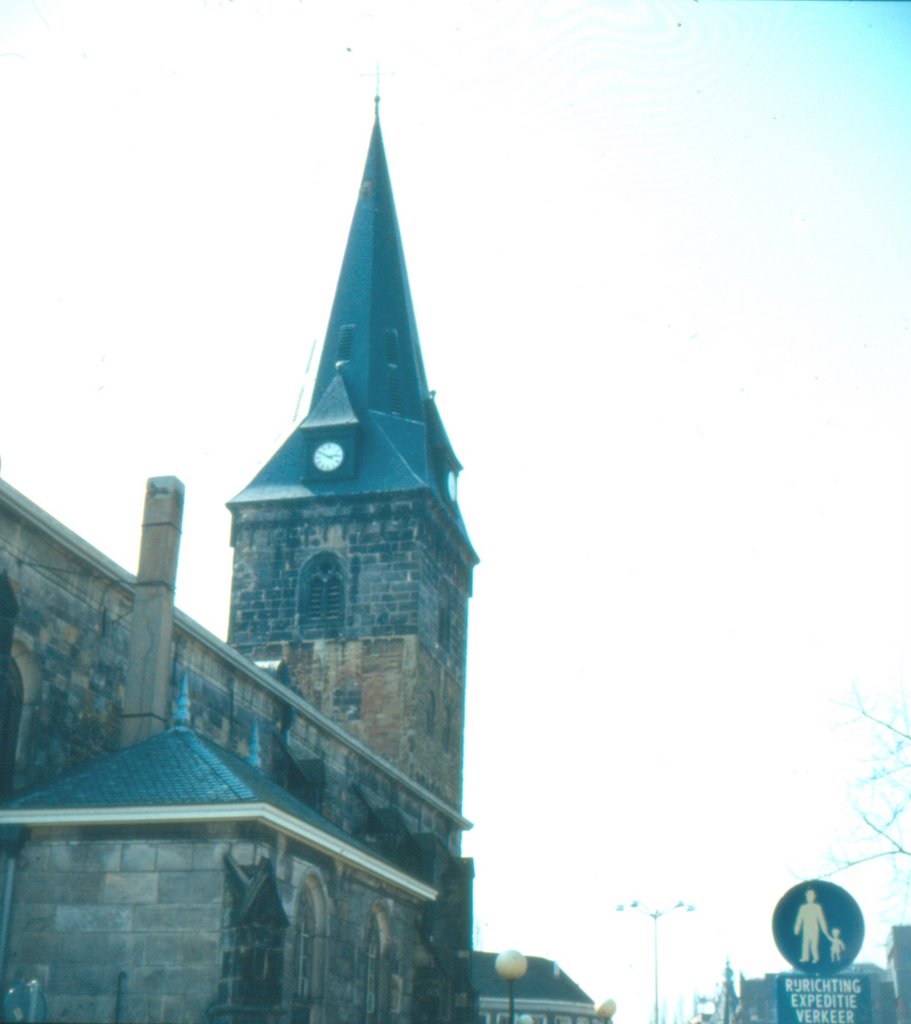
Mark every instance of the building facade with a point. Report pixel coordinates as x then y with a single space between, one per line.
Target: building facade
546 993
266 829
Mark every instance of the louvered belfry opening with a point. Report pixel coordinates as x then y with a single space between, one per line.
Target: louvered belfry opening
323 592
346 341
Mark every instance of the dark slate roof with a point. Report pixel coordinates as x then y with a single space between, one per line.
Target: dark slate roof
174 768
373 294
371 375
544 980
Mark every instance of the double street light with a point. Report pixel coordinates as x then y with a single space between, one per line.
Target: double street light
656 915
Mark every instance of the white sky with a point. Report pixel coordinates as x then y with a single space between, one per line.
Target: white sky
659 254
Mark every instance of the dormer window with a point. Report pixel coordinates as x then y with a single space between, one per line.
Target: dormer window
395 391
391 336
346 341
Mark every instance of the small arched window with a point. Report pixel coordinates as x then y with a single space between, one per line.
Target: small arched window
376 971
304 934
11 698
322 592
372 979
11 695
309 946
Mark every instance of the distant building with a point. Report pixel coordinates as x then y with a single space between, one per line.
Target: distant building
265 830
758 996
758 1000
898 953
546 992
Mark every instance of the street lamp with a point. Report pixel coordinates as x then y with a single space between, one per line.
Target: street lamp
511 965
655 915
606 1010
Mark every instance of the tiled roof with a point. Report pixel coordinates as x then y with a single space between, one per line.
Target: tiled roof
174 768
543 981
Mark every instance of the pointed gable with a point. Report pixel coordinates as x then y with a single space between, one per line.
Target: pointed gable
333 408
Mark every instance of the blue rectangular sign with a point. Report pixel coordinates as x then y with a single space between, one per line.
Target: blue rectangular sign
836 999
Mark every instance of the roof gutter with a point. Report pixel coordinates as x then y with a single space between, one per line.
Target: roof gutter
256 811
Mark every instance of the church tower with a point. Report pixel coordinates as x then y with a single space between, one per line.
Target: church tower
351 561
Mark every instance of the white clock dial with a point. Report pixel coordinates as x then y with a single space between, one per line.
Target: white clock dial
451 485
328 456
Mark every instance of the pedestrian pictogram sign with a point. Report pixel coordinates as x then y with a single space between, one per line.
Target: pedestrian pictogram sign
805 999
818 929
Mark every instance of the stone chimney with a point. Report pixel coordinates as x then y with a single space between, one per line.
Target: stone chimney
146 701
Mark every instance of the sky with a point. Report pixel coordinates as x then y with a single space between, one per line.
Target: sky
659 255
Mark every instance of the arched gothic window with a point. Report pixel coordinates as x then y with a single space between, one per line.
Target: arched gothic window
376 972
11 695
11 698
304 934
322 592
309 952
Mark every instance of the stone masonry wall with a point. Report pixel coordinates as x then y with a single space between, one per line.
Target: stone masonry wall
71 641
146 910
86 910
392 672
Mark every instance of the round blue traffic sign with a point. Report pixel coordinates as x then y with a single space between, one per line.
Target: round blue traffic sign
818 927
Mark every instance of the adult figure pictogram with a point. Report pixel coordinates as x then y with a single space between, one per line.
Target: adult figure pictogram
811 920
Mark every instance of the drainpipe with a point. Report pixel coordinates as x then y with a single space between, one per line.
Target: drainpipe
121 997
12 838
148 683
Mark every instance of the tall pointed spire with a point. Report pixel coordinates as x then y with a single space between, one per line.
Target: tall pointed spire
372 330
373 425
350 554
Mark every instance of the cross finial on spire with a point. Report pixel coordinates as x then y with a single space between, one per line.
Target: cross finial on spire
376 95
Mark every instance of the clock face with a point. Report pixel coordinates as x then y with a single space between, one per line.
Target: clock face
451 485
328 456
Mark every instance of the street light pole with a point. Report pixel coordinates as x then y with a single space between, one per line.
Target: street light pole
655 915
511 966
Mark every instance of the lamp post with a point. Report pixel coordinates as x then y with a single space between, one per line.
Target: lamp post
511 965
656 915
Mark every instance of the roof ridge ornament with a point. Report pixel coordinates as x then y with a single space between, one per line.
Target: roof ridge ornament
254 758
182 711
